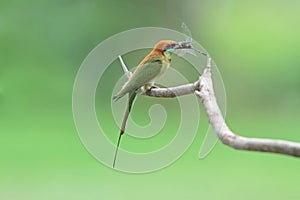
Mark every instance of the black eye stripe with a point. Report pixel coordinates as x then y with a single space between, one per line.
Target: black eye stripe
169 46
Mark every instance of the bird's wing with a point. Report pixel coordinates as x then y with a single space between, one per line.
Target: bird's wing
145 73
142 75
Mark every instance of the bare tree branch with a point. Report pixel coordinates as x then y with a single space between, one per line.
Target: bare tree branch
208 99
126 72
173 91
203 88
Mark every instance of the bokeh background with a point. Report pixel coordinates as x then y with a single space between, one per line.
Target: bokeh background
255 44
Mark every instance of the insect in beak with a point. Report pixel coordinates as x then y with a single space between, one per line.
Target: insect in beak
187 45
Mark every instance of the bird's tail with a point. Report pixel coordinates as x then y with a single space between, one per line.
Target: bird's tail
131 98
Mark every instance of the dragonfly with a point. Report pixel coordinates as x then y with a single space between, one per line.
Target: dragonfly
186 46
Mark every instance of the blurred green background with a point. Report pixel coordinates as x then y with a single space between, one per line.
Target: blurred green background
255 44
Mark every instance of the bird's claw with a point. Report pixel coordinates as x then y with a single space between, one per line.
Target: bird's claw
153 87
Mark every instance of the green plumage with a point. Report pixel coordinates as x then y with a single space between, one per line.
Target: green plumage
143 74
153 65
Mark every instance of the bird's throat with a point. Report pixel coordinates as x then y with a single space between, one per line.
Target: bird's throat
168 57
166 63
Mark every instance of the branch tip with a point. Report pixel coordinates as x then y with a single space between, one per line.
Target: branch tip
126 72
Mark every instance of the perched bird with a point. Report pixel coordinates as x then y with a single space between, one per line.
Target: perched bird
152 66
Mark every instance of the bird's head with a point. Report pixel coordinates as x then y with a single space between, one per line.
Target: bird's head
164 46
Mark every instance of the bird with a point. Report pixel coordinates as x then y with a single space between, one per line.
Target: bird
152 66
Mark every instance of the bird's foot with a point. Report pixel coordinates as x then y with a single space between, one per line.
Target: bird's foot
153 87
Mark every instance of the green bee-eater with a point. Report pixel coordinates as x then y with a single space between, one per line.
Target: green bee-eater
152 66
